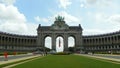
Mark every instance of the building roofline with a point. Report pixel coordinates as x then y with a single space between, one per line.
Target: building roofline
10 34
105 34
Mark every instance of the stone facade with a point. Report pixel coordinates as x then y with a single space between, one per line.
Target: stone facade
59 28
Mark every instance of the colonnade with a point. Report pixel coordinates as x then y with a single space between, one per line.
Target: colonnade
11 42
104 42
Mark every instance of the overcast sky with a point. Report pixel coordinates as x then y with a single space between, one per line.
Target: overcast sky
95 16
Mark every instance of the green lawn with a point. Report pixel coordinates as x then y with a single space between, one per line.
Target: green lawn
67 61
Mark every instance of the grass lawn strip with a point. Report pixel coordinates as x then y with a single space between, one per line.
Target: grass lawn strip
101 58
67 61
24 61
17 61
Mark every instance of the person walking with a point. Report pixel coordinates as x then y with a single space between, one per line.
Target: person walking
5 56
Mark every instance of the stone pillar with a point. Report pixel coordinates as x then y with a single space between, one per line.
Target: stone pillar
40 41
78 42
107 40
0 40
53 42
117 39
65 42
110 40
114 39
94 41
17 41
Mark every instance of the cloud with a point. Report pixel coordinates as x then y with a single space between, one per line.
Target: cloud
92 31
70 19
31 29
39 19
64 3
82 5
100 4
91 1
101 23
97 31
114 18
103 18
100 17
115 21
7 2
12 21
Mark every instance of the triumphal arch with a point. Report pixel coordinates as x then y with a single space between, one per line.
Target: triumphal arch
59 28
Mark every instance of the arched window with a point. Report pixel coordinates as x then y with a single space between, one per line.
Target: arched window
59 44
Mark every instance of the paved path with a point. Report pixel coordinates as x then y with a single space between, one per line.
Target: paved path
109 56
17 58
20 62
103 56
10 57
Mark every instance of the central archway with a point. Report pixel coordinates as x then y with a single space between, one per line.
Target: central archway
59 44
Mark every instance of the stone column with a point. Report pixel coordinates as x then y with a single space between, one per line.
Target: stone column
17 42
110 40
65 39
53 42
101 40
78 43
40 41
116 39
0 42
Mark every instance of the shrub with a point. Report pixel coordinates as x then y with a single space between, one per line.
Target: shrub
62 53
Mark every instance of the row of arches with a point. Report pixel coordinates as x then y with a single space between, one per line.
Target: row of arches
59 42
11 42
101 40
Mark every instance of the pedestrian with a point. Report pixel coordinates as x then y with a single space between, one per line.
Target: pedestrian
5 56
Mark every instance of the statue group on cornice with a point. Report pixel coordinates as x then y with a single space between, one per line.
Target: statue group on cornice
59 18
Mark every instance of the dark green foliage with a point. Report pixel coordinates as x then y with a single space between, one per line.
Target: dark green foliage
62 53
45 49
72 49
